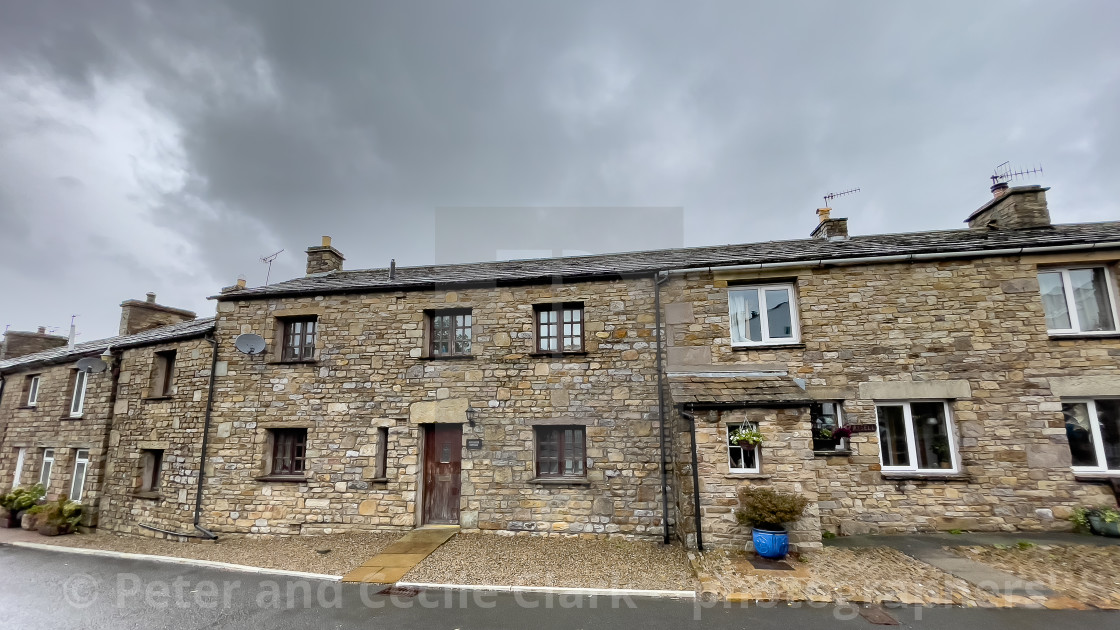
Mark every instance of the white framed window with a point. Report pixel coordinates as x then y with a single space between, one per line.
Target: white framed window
763 314
1078 300
81 467
742 459
78 400
21 457
1093 429
45 469
917 436
33 390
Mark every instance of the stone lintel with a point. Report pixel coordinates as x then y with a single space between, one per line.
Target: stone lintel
909 390
451 410
1084 386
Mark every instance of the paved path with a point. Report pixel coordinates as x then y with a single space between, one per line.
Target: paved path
48 589
394 561
929 548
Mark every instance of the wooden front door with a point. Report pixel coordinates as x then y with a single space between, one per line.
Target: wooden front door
443 453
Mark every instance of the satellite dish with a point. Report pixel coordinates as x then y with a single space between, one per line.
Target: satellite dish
249 343
92 365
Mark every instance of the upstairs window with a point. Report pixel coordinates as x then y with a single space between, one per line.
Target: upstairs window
289 452
298 342
78 393
1093 429
764 314
450 333
560 451
31 390
916 437
163 374
559 327
1078 300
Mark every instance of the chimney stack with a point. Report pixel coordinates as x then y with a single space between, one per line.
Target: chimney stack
137 316
18 343
829 228
323 259
1012 208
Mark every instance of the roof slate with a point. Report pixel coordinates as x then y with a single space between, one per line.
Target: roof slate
735 390
184 330
646 262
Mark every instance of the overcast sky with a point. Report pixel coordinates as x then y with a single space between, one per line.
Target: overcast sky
167 146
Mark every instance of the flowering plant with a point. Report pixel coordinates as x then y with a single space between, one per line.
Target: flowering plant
745 435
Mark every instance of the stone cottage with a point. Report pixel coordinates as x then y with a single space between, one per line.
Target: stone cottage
83 431
594 395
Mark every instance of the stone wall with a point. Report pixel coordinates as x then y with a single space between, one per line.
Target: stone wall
48 425
172 424
975 321
370 372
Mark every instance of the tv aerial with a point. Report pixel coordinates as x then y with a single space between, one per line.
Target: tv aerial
1004 173
91 365
249 343
268 261
832 195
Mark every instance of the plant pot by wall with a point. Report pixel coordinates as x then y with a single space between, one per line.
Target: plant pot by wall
770 544
1102 528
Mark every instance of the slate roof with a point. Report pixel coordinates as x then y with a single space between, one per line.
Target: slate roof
184 330
646 262
735 390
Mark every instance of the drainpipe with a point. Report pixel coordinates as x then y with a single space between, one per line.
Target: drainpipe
657 282
213 339
114 385
695 481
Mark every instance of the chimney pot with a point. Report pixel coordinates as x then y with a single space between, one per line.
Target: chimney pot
42 330
241 283
823 213
151 297
326 241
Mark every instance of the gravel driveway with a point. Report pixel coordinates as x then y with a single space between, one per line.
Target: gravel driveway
290 553
555 561
1089 574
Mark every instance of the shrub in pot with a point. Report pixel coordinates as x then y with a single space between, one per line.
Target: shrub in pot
1102 521
766 512
19 500
57 517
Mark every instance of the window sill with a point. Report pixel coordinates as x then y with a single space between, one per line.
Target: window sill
560 481
452 357
1111 334
559 355
151 495
1096 476
797 345
156 398
745 475
299 362
377 480
925 476
833 453
70 418
27 407
283 478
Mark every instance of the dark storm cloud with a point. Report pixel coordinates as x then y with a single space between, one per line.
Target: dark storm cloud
278 122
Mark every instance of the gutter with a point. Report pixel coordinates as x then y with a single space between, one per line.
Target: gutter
839 262
657 282
695 481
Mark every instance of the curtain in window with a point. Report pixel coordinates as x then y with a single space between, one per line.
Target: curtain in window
1054 301
746 321
1090 298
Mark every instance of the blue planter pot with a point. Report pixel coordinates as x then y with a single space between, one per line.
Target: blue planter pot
770 544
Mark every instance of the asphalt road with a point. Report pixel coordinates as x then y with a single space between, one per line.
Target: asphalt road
47 589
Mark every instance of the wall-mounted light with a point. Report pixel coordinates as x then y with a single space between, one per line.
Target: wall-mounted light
472 415
107 356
